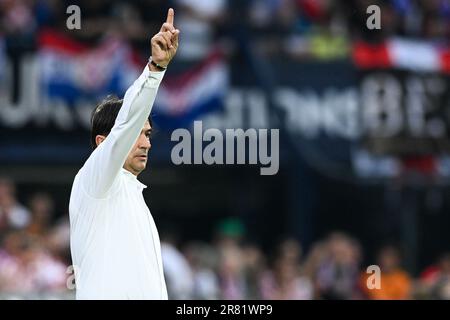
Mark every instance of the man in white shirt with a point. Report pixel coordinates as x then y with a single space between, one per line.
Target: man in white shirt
115 245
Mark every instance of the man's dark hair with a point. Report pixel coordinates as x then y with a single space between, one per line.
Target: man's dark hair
104 116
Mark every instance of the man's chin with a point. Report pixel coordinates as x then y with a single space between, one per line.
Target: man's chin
140 166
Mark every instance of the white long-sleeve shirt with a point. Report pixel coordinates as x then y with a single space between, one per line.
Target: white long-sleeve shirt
115 246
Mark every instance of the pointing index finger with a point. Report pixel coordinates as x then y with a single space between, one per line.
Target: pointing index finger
170 15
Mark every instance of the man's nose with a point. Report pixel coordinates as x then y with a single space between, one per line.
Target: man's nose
145 143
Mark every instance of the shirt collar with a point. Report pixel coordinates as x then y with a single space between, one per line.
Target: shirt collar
133 178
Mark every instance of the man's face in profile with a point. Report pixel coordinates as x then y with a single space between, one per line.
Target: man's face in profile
137 158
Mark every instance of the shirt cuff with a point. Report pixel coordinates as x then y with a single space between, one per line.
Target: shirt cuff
153 78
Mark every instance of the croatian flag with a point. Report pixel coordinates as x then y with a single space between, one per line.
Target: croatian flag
71 71
183 98
413 55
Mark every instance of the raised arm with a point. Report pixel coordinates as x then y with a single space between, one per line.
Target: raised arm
101 169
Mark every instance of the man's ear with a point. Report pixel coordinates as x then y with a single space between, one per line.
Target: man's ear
99 139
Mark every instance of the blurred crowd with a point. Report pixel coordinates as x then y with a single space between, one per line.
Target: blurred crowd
311 29
34 251
35 260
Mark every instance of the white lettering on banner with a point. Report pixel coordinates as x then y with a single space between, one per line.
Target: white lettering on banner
34 108
336 113
382 112
16 116
420 105
342 113
257 109
302 112
380 108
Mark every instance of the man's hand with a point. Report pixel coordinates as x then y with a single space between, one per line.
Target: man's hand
165 43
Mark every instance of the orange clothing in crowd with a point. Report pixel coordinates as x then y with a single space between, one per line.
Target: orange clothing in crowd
395 285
